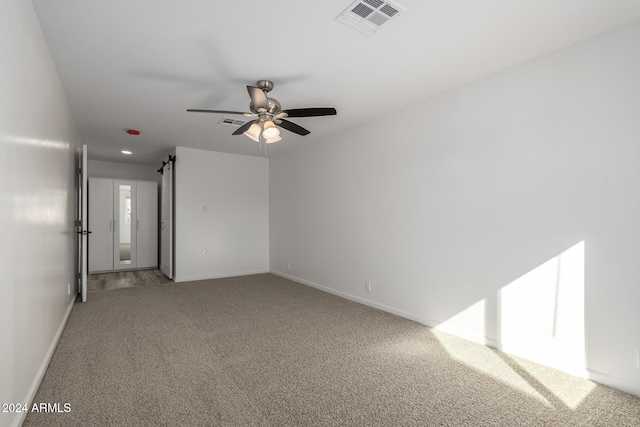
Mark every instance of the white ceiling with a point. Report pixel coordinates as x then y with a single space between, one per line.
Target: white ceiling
141 63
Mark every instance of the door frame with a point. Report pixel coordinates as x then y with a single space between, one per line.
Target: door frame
82 229
166 219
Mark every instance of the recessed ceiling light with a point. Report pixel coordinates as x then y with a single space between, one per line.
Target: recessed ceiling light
126 152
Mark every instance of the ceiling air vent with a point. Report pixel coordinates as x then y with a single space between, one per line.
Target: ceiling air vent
232 122
367 16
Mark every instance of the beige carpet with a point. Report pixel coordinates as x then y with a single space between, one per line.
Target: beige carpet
124 279
264 351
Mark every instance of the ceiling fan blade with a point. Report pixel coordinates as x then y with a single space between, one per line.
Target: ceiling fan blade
290 126
221 112
311 112
242 129
258 97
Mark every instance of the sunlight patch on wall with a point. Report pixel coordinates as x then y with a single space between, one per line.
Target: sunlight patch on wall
540 317
541 314
469 323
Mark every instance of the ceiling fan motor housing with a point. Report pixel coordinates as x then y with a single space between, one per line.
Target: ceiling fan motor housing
274 107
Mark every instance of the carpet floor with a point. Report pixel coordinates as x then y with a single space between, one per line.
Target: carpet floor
265 351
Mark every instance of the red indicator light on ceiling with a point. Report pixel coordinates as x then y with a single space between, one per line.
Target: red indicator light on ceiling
133 132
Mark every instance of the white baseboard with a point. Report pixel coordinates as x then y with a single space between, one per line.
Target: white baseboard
178 279
480 339
33 389
595 376
614 382
425 321
350 297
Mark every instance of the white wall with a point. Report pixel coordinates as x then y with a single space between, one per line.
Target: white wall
222 204
38 140
101 169
445 204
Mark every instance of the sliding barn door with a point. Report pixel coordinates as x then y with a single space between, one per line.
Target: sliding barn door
166 227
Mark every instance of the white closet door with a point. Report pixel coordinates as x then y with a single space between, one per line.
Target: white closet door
100 224
124 216
147 224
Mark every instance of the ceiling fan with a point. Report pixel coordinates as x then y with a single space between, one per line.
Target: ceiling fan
270 115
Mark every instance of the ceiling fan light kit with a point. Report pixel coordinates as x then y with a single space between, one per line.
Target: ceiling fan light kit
270 115
253 132
270 131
